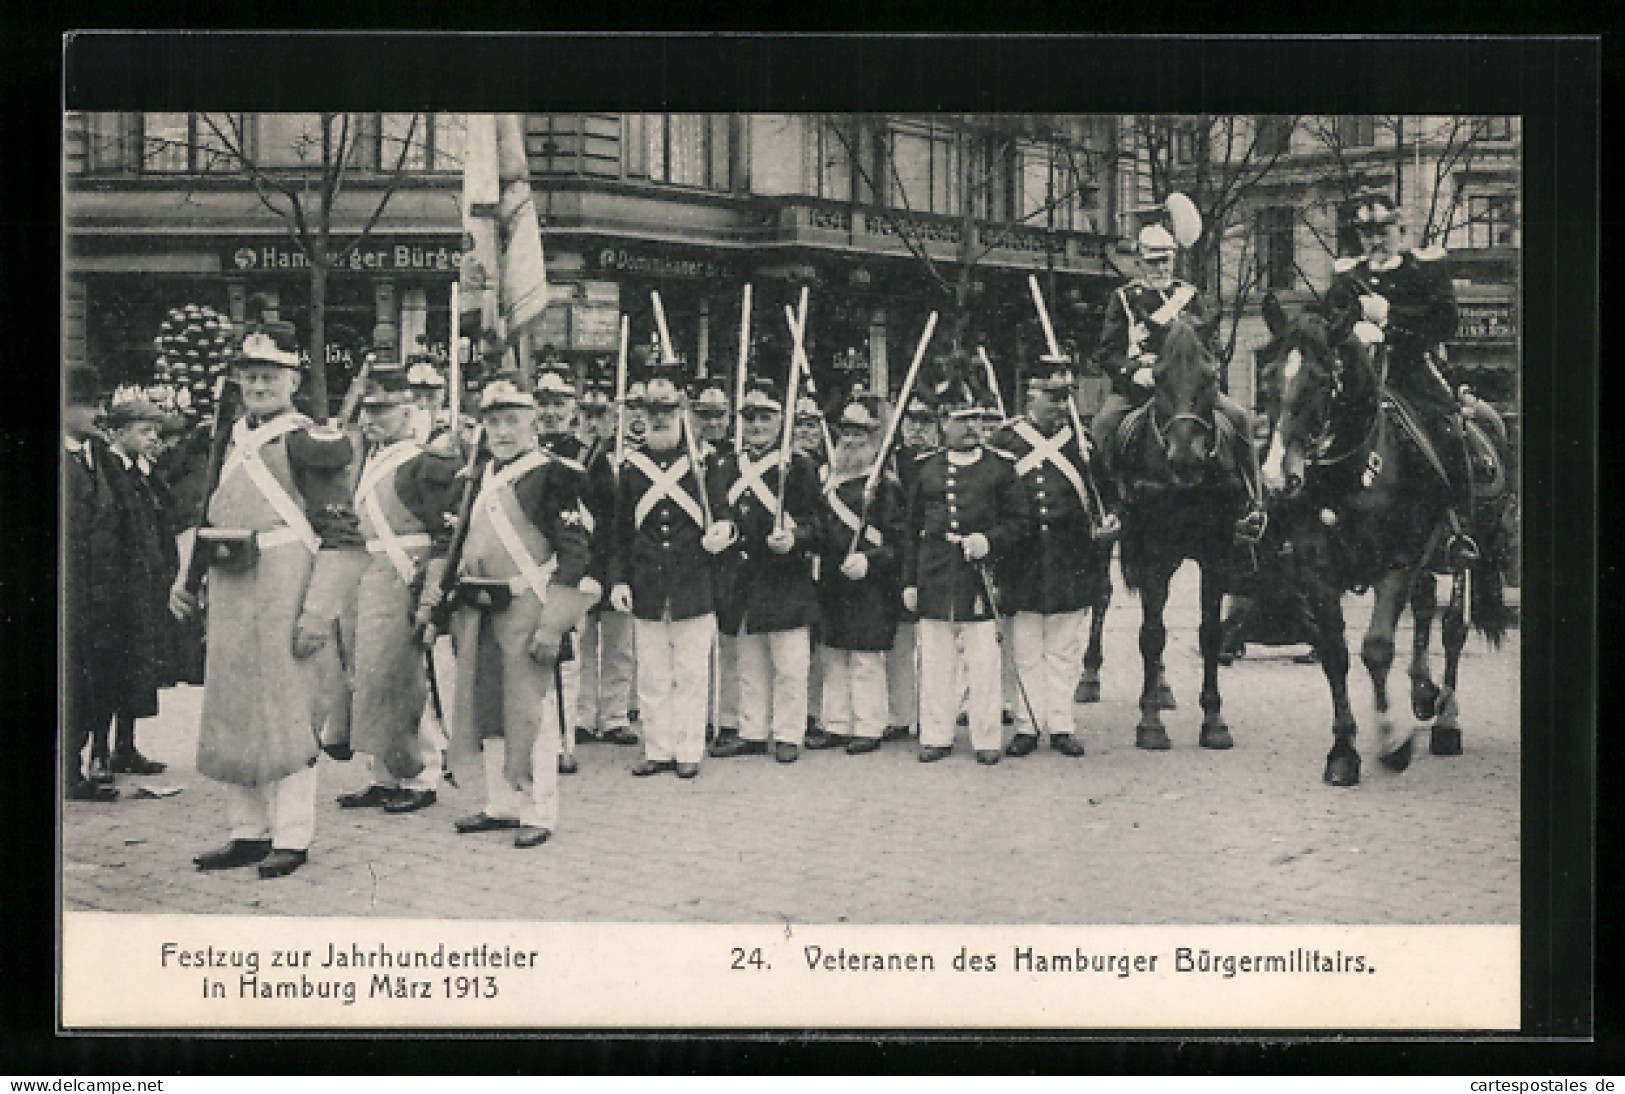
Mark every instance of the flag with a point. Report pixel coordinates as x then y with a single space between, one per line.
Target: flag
481 264
524 276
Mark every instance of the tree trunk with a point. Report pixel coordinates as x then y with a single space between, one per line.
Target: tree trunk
318 339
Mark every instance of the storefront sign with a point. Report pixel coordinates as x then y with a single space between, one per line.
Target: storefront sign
596 328
620 260
383 255
1484 323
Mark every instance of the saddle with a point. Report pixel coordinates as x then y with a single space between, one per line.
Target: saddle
1488 470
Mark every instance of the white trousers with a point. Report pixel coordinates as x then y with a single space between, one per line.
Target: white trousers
773 670
854 700
1049 650
722 705
944 647
673 683
903 678
570 677
607 652
283 811
539 808
1009 690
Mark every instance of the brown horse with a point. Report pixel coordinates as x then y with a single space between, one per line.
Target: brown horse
1180 468
1366 509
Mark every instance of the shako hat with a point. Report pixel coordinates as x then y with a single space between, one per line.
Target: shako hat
423 374
956 387
1375 207
387 385
267 341
502 393
807 410
859 415
1155 241
1050 375
761 394
555 383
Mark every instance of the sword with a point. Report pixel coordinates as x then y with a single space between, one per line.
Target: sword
439 709
998 636
568 766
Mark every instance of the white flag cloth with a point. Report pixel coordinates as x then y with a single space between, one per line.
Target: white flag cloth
524 277
482 254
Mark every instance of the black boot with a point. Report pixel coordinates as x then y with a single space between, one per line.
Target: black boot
1460 549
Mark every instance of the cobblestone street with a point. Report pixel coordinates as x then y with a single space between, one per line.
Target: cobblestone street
1121 836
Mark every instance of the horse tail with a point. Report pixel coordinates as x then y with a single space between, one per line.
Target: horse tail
1491 616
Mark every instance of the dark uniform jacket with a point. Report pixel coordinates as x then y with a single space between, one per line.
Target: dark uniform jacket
1129 312
429 487
986 497
550 498
861 615
906 462
1054 566
1421 314
90 600
766 591
656 544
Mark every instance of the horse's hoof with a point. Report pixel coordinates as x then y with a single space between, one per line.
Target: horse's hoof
1399 759
1424 699
1342 766
1087 691
1216 737
1163 697
1445 741
1152 738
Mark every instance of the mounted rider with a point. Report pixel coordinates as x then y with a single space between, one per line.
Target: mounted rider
1138 315
1408 293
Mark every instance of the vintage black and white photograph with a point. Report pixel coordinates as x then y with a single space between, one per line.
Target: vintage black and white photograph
858 520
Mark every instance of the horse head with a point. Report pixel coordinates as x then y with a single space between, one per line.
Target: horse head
1187 389
1310 365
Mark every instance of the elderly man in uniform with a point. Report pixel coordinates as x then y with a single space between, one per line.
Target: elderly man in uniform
428 389
1050 587
607 654
918 438
769 603
1409 294
278 526
402 500
858 592
709 417
522 585
660 573
966 508
1131 336
555 425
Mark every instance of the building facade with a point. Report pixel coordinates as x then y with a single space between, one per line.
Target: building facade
884 218
1284 216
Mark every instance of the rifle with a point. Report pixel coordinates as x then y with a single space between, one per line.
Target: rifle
739 374
198 564
872 483
792 389
441 616
620 406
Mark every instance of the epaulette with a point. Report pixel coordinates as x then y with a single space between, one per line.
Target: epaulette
319 446
1344 265
926 454
1430 254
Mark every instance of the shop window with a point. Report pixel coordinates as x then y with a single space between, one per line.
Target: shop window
1274 247
1491 222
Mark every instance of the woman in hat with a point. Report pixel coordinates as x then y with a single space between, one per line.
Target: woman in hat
278 520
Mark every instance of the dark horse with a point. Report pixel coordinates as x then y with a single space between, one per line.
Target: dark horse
1180 468
1366 509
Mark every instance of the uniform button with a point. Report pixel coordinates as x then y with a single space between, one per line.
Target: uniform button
1043 527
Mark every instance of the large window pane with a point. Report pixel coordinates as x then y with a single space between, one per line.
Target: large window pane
1034 181
450 141
637 150
654 143
216 135
911 161
834 164
402 142
686 149
721 149
107 136
165 142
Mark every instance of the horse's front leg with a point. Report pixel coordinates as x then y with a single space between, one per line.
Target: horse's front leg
1326 603
1210 638
1424 605
1150 733
1445 738
1088 689
1377 651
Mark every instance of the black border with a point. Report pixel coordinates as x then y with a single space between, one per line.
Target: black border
1554 83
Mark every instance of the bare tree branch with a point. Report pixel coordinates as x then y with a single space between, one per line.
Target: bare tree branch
378 210
916 248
